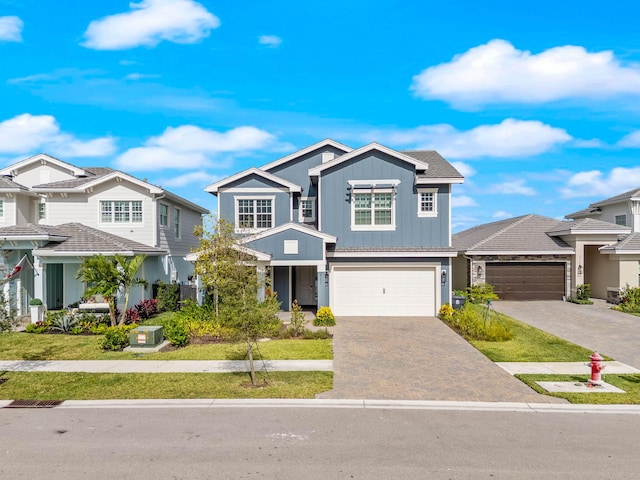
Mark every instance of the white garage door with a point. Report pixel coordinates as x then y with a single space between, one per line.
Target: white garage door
373 290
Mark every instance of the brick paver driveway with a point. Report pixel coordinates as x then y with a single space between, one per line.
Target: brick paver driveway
416 359
595 327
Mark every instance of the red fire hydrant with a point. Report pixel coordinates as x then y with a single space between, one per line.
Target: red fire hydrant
596 367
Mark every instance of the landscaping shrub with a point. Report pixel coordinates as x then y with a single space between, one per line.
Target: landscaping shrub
480 293
176 332
315 335
147 308
629 300
201 321
64 322
324 317
446 313
583 295
475 323
38 327
296 325
116 338
132 315
168 297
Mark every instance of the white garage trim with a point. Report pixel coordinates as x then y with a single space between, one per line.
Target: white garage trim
385 289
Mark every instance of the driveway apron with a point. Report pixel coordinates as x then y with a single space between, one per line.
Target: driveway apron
409 358
595 327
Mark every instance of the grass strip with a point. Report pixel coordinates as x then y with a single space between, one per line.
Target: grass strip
629 383
28 346
109 386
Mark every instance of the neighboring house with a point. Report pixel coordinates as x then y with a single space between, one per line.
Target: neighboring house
58 213
365 231
539 258
623 209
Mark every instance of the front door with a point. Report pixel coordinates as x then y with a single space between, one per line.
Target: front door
305 291
55 286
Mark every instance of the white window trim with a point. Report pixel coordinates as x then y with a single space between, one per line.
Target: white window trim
615 219
434 212
302 218
2 205
372 227
253 197
113 212
177 223
42 203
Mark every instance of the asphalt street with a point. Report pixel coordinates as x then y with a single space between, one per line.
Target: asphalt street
315 443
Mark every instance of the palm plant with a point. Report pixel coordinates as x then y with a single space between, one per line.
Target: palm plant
107 275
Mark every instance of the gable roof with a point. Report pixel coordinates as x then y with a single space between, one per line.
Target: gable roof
316 146
587 226
526 234
42 157
259 256
215 187
438 167
290 226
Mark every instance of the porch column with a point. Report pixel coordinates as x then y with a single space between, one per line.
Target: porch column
38 279
322 282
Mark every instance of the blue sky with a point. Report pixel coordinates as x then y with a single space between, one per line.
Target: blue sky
536 103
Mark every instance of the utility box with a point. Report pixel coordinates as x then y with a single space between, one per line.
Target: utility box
141 337
457 301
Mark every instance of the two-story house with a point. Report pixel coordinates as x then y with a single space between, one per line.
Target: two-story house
364 231
58 213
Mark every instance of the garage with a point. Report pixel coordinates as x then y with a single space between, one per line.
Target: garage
383 290
527 281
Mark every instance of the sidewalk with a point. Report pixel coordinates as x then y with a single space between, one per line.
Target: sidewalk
563 368
163 366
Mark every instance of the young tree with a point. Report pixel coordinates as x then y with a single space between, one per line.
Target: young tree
107 275
229 273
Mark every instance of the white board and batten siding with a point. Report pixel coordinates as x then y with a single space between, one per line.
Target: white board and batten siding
384 290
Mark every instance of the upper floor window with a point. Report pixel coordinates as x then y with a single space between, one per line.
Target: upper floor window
427 202
164 215
121 211
307 209
373 210
1 208
253 214
176 222
621 220
42 211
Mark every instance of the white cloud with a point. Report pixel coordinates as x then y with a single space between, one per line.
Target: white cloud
500 214
141 76
595 183
463 201
28 133
631 140
510 138
464 168
497 72
150 22
516 187
272 41
200 177
188 147
11 29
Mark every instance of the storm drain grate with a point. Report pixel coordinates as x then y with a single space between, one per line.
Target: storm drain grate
34 404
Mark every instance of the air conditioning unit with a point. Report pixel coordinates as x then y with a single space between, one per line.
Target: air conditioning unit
141 337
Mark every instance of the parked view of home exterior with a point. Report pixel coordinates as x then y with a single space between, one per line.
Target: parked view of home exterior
57 214
366 231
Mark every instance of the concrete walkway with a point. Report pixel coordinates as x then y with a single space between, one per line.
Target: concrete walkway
563 368
406 358
163 366
596 327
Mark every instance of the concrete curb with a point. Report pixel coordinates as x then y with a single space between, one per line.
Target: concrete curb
349 403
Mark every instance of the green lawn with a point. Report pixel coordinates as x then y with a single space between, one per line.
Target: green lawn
29 346
629 383
105 386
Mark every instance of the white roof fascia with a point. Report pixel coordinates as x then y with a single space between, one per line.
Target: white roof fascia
396 254
293 226
569 251
36 237
124 176
315 171
215 187
324 143
184 201
77 172
41 252
429 181
589 232
260 256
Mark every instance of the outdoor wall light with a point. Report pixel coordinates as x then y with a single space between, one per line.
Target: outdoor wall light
479 270
443 277
579 269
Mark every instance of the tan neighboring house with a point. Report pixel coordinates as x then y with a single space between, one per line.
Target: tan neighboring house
57 214
540 258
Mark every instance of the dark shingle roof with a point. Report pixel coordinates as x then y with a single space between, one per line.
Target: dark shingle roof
438 167
527 233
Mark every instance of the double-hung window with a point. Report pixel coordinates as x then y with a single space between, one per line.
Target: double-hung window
176 222
163 213
121 211
621 220
427 202
373 206
307 209
254 214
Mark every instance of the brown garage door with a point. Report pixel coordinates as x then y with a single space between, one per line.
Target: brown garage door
527 281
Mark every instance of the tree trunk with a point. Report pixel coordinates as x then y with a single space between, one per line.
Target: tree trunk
123 316
252 369
112 312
